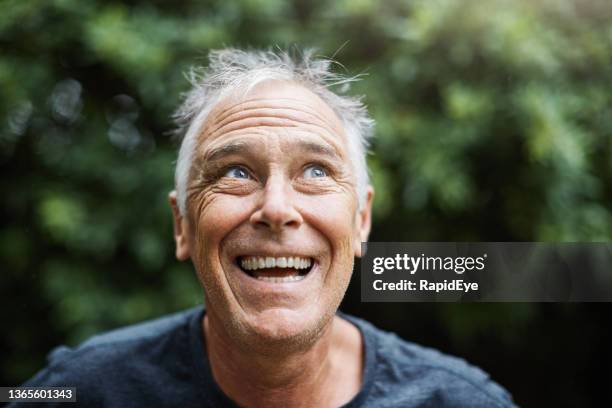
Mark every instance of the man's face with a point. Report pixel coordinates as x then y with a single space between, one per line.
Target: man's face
272 221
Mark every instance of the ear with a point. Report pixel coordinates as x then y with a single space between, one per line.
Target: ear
363 222
181 229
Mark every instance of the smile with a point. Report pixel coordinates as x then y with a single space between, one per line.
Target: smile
276 269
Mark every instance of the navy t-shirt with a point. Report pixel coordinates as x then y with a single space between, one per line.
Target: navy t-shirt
163 363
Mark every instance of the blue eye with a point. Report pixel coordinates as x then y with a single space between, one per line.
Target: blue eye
314 171
237 172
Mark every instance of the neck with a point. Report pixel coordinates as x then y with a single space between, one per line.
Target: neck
328 373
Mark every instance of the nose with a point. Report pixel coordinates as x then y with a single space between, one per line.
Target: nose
276 209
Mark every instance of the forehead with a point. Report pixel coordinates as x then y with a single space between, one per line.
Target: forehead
273 104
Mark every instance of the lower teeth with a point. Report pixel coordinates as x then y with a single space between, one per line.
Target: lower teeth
277 279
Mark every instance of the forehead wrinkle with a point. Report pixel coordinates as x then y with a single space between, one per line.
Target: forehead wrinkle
287 113
311 106
274 108
251 123
261 103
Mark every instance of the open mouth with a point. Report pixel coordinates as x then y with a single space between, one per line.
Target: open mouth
276 269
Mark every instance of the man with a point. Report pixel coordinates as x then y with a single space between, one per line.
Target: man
272 203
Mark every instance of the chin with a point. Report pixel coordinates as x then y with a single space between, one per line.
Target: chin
286 328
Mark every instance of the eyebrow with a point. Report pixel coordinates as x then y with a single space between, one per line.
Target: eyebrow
239 147
224 150
318 148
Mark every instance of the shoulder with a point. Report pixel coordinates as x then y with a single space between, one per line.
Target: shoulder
121 358
131 341
405 371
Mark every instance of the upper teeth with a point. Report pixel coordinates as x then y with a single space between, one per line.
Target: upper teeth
259 262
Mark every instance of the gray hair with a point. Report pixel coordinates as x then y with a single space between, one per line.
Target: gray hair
231 69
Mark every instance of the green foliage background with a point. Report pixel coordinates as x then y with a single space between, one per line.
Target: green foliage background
494 124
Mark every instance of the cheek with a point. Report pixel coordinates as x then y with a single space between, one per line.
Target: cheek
333 215
214 220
